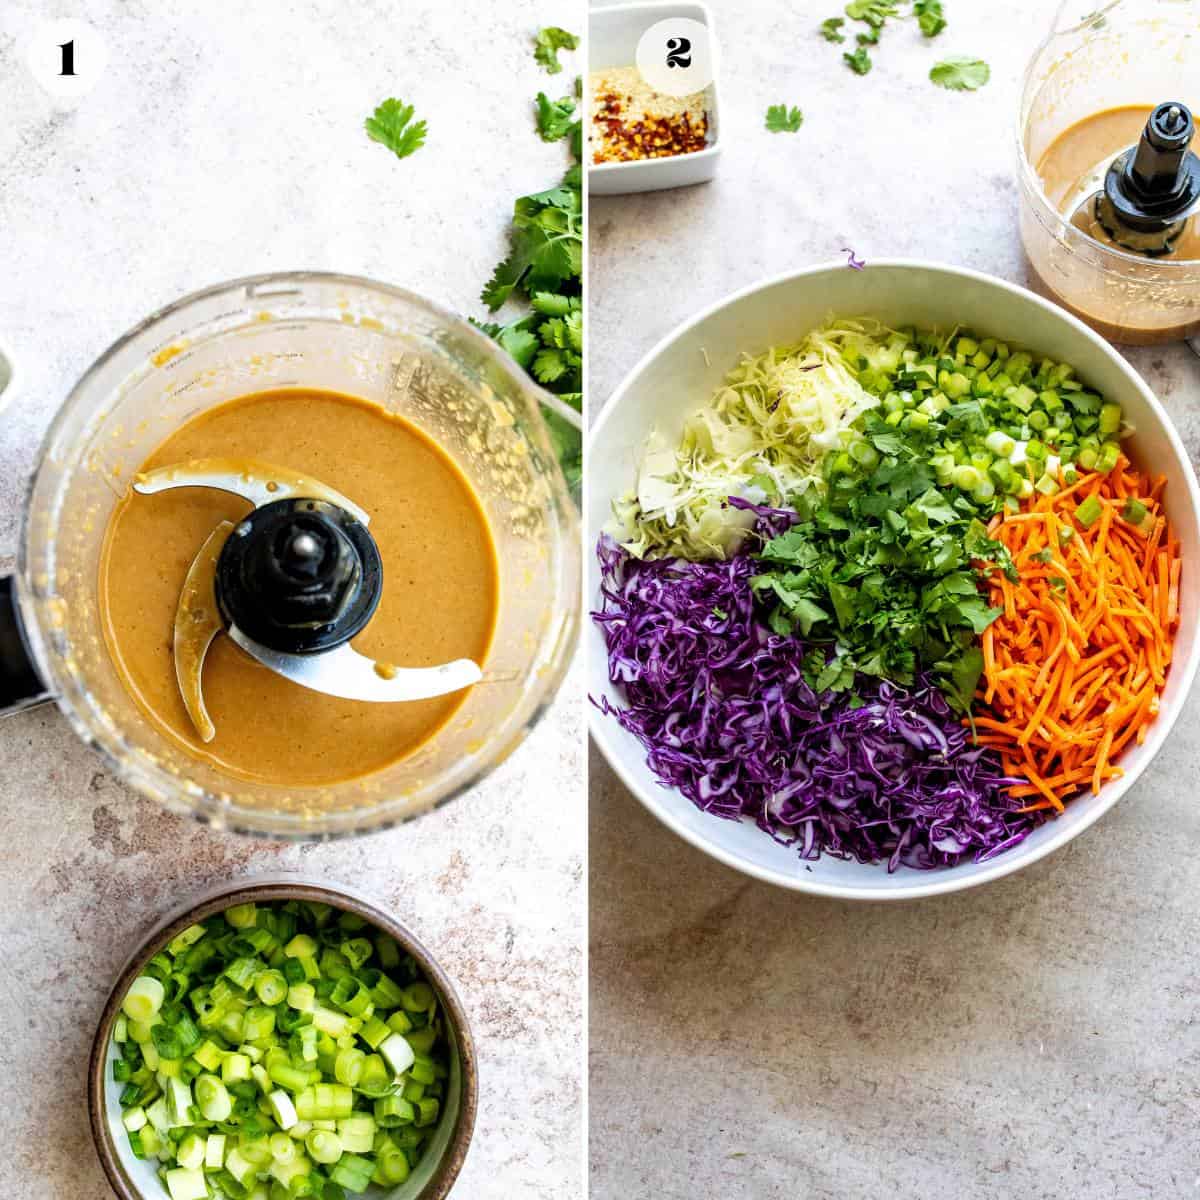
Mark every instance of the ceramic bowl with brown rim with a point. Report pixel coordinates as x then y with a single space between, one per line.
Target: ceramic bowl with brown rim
434 1175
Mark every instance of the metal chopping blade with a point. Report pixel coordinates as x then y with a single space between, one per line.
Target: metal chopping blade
259 482
197 623
341 671
352 676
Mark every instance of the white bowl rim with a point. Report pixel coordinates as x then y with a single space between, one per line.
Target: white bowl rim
931 883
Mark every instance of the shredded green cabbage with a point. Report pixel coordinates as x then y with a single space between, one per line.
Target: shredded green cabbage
764 434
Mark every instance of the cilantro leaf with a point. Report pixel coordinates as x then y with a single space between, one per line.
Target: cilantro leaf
929 16
554 117
548 42
960 74
874 12
390 126
781 119
859 62
868 39
831 29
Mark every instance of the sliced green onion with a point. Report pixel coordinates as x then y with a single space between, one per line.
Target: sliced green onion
1088 513
186 1184
242 916
213 1099
353 1173
282 1109
214 1152
323 1146
255 1050
143 1000
391 1111
397 1053
392 1167
270 987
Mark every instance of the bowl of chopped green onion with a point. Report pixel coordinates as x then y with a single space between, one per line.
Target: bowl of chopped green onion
282 1039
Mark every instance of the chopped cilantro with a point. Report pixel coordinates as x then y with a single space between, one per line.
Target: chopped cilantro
831 29
871 38
390 126
548 42
879 573
781 119
960 74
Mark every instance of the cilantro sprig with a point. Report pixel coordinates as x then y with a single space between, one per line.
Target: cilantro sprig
544 269
392 126
781 119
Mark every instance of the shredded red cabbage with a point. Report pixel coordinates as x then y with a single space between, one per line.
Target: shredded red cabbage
726 716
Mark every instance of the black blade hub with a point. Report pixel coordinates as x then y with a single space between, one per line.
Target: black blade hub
299 576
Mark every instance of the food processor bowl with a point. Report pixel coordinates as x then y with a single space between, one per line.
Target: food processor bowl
1125 53
331 332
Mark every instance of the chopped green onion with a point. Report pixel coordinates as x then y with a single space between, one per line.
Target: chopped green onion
392 1167
1088 513
398 1053
267 1054
353 1173
391 1111
324 1146
212 1099
271 987
282 1109
242 916
186 1184
143 1000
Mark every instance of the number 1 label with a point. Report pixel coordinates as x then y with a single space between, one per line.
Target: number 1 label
67 58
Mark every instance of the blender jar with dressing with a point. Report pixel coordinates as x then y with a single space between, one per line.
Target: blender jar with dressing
1108 172
298 557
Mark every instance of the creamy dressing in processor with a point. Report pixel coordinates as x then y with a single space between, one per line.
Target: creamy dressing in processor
438 600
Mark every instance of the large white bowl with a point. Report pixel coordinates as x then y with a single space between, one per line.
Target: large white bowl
680 374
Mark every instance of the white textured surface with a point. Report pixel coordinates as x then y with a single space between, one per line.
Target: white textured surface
227 139
1035 1040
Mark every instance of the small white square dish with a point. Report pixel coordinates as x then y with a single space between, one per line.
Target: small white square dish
613 35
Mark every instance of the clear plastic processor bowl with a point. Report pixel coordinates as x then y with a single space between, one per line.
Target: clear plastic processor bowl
323 331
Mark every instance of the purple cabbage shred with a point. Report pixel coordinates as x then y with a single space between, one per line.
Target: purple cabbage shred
883 774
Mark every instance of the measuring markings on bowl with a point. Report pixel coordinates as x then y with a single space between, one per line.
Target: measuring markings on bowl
677 57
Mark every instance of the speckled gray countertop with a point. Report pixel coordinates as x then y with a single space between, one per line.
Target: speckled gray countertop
224 141
1035 1040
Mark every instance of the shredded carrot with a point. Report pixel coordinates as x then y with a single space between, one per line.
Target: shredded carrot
1074 664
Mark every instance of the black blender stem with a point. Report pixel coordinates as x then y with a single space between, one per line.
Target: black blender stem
1156 184
299 576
